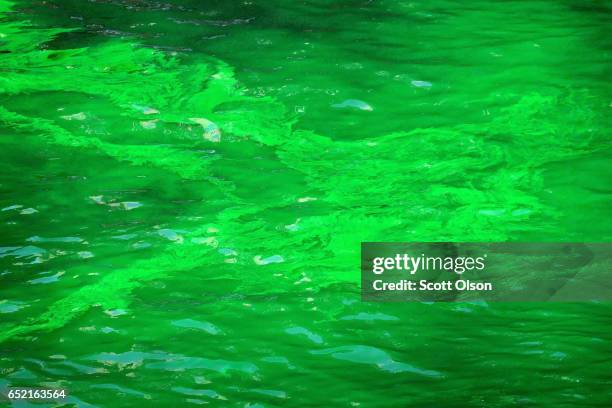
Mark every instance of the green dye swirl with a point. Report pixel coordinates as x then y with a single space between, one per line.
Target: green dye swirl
368 189
277 209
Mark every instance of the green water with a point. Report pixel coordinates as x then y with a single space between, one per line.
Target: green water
184 189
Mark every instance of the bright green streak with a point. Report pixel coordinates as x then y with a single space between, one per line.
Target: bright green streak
229 270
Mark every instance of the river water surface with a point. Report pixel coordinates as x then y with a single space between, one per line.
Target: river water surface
185 185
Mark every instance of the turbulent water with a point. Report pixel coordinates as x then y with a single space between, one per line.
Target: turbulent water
185 186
